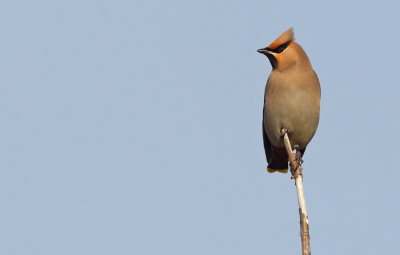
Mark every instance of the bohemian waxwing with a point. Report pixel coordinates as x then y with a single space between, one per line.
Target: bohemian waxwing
291 100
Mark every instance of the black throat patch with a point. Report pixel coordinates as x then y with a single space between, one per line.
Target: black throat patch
272 60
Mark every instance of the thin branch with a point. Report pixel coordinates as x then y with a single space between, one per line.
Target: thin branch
296 170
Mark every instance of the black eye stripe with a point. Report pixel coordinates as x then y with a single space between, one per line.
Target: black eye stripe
280 48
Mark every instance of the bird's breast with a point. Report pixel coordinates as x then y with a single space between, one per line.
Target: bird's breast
293 104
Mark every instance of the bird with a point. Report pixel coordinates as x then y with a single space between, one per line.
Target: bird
291 101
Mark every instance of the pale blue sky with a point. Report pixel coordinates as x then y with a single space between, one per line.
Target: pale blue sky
134 127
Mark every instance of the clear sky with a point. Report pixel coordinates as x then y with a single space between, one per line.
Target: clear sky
134 127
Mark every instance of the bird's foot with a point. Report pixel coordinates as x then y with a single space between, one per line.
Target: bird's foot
298 158
296 168
296 173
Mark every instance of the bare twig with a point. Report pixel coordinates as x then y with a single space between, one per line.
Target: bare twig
296 170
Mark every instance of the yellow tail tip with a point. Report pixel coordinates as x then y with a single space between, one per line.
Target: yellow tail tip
283 171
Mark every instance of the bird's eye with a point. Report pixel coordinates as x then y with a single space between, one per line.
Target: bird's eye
280 49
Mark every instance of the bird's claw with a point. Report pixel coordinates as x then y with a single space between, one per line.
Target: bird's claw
298 158
296 173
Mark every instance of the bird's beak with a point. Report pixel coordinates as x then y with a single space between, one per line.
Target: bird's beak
265 51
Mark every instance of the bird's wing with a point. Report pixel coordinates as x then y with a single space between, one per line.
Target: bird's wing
267 143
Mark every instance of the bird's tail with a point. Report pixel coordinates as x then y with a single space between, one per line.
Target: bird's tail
279 161
271 170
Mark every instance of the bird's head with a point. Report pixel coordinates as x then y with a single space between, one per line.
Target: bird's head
284 53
